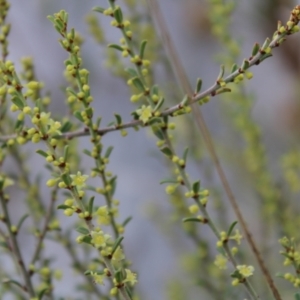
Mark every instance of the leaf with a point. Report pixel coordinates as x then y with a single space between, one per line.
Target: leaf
91 204
82 230
158 132
99 9
13 282
231 228
167 151
142 48
185 154
23 218
18 102
159 104
198 85
41 152
63 206
119 119
87 239
118 15
297 296
126 221
154 120
66 151
192 219
4 245
108 151
196 187
66 179
66 126
119 276
255 49
42 292
221 73
116 244
115 46
168 180
245 65
234 68
87 152
138 83
132 72
78 116
185 100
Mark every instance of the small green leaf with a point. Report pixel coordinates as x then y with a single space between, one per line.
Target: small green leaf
265 56
231 228
297 296
245 65
116 244
223 90
66 151
19 125
196 187
185 154
82 230
8 281
87 239
192 219
126 221
99 9
119 119
4 245
159 104
91 205
66 179
142 48
115 46
18 102
158 132
255 49
154 120
23 218
198 85
63 206
234 68
168 180
113 183
108 151
132 72
118 15
42 292
66 126
266 44
138 83
119 276
87 152
167 151
221 73
78 116
42 153
185 100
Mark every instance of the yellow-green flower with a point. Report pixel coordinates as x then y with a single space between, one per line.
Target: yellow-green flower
245 271
130 277
145 113
99 239
221 262
103 216
79 180
98 278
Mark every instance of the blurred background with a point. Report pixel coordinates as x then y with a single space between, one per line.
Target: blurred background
157 246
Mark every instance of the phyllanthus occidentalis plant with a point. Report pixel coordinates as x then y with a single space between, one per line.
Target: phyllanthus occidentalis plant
30 121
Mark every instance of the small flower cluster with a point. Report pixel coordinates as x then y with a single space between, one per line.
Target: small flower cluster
292 257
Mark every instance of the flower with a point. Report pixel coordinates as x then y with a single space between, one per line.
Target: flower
79 180
221 262
130 277
245 271
98 278
103 216
99 239
145 113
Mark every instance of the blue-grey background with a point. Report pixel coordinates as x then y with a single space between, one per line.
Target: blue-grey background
138 170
